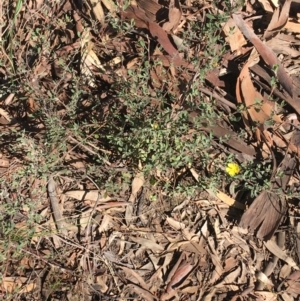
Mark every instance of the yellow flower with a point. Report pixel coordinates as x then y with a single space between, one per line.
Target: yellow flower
233 169
155 125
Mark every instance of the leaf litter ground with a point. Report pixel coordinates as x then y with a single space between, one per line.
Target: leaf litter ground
149 150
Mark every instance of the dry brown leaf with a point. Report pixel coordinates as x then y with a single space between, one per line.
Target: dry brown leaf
285 271
234 36
218 271
210 295
293 284
274 249
4 163
264 280
188 246
229 279
100 280
77 164
106 223
294 276
8 100
145 295
141 20
226 199
31 105
183 271
168 61
111 205
151 8
281 45
275 2
97 10
89 195
269 57
265 296
36 4
213 76
156 279
89 59
66 49
17 284
6 116
179 272
259 109
129 216
291 26
88 56
174 16
286 297
162 37
266 5
237 239
41 70
179 42
192 290
278 20
27 263
175 224
131 63
133 274
110 5
219 194
72 258
137 184
230 263
149 244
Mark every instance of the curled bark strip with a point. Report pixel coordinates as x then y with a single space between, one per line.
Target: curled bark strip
268 56
265 213
269 208
58 218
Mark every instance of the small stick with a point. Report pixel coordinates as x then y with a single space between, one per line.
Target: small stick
58 218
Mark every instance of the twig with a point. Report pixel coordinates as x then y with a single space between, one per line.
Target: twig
218 98
58 218
90 150
88 226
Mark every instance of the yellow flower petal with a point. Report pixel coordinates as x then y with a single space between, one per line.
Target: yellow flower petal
233 169
155 125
